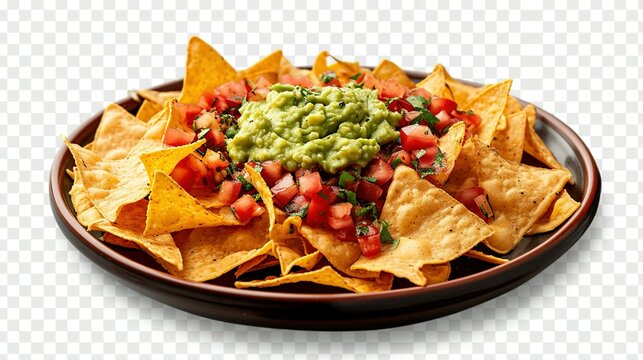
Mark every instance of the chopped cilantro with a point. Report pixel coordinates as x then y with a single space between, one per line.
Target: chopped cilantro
348 196
418 102
364 210
258 168
361 230
232 131
244 183
396 162
420 153
469 112
302 212
369 179
344 177
328 77
256 196
356 76
385 235
322 195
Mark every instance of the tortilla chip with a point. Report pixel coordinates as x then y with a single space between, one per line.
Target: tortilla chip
341 254
461 92
213 251
286 68
86 212
70 173
206 195
172 209
323 276
290 247
512 106
258 263
262 188
389 70
165 160
205 69
562 208
431 227
502 123
147 110
157 97
118 132
436 84
343 69
510 141
519 195
535 146
450 144
479 255
463 174
267 65
489 104
115 240
435 274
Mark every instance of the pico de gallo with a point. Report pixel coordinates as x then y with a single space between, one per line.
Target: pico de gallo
345 197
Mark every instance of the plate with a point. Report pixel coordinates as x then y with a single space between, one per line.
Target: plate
310 306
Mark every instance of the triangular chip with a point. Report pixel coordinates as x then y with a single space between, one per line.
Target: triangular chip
463 174
147 110
119 241
290 247
118 132
512 106
562 208
323 276
519 195
262 188
267 65
207 196
389 70
430 226
211 252
205 69
257 263
343 69
450 145
510 141
166 159
479 255
436 84
435 274
172 209
157 97
86 212
460 92
489 104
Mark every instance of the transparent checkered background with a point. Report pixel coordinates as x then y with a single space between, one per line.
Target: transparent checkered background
58 66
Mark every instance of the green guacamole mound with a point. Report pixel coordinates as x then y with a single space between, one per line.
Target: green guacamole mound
330 127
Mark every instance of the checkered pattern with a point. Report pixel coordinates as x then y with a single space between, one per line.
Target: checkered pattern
58 66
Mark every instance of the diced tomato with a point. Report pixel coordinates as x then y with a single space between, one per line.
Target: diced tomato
220 104
303 81
205 121
327 195
263 83
418 91
271 172
258 94
317 212
187 112
368 191
340 216
245 208
214 138
178 137
214 160
195 164
391 88
301 172
415 137
403 155
445 121
346 234
398 104
379 170
207 100
468 117
427 158
234 92
442 104
310 184
369 243
229 191
184 176
370 81
329 78
296 204
284 189
475 199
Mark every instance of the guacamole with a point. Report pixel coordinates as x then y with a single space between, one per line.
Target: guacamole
330 127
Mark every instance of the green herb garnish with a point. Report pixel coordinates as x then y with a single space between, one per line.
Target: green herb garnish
418 102
344 177
244 183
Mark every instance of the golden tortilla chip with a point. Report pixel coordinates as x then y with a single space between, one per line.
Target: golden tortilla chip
562 208
147 110
389 70
461 93
205 69
206 196
450 144
118 133
502 123
510 142
268 65
341 254
262 188
286 68
435 274
172 209
323 276
463 174
489 104
535 146
86 212
431 227
213 251
436 84
165 160
115 240
157 97
479 255
343 69
519 195
512 106
260 262
290 247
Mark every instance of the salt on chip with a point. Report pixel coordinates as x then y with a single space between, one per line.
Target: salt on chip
435 274
118 132
562 208
479 255
450 145
341 254
165 160
173 209
389 70
205 69
431 228
324 276
519 195
213 251
436 84
147 110
489 104
510 141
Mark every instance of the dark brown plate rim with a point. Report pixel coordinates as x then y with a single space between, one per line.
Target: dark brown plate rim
495 277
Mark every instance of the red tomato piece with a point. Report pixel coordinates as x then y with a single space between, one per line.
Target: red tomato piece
178 137
233 92
403 155
327 195
369 243
469 117
415 137
229 191
317 212
296 204
368 191
340 216
271 172
196 165
398 104
284 189
418 91
303 81
184 176
207 100
467 198
187 112
346 234
482 202
442 104
220 104
214 160
380 170
301 172
427 158
310 184
391 88
445 122
245 208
